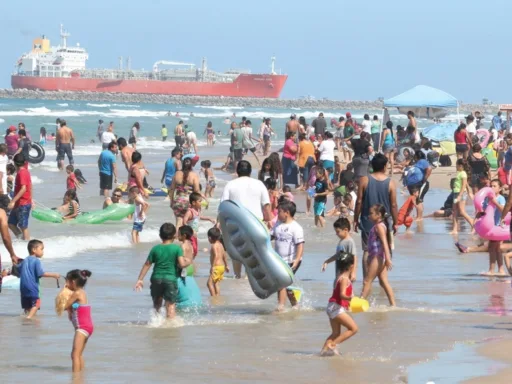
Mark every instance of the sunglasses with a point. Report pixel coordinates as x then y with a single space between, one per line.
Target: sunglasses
119 196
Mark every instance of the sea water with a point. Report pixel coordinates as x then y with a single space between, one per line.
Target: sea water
441 299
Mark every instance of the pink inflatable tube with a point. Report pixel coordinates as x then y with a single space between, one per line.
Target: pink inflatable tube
484 226
483 137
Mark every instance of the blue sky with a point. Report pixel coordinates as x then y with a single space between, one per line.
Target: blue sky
357 50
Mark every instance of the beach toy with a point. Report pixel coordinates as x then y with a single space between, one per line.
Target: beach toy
61 299
39 157
189 294
483 136
247 240
157 192
484 226
296 291
190 270
47 214
113 212
10 282
358 304
490 154
311 191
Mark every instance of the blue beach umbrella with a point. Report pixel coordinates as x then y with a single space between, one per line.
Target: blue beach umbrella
440 132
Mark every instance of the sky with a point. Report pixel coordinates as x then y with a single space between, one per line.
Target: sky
357 50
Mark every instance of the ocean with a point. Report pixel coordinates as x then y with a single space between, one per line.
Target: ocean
443 303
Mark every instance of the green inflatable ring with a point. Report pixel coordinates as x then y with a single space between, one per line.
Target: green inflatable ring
490 154
48 215
113 212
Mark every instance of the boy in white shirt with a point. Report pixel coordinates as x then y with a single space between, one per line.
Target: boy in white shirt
289 244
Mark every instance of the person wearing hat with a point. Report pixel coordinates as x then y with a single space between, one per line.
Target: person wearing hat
11 140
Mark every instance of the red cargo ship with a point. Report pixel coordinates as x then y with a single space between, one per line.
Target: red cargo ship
63 68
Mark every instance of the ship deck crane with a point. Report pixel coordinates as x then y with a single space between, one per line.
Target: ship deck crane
173 63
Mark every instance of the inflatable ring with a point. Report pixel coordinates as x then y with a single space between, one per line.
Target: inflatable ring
40 154
483 137
48 215
114 212
189 294
403 149
490 154
247 240
157 192
485 226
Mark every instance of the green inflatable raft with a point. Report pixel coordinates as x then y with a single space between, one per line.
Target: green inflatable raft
114 212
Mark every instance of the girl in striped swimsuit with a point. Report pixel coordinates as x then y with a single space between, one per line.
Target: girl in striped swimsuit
80 314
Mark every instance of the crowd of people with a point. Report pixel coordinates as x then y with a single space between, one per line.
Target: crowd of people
354 165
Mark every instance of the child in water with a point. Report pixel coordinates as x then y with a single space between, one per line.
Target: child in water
218 262
30 271
185 234
338 306
79 314
209 177
168 260
193 215
320 196
447 208
72 182
139 216
379 253
346 245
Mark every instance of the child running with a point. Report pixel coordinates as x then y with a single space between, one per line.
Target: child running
193 215
168 260
289 244
139 216
80 315
218 261
345 246
320 196
338 306
379 253
31 270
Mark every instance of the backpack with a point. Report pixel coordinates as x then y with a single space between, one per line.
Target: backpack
412 175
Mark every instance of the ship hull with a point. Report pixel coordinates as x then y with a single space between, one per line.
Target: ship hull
245 85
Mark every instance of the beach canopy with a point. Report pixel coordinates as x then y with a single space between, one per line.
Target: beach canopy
440 132
424 101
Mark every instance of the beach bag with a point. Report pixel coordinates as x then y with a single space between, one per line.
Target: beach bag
445 161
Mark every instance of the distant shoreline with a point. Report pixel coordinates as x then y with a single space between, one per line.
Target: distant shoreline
287 104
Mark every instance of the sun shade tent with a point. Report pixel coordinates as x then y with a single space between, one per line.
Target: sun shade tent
424 101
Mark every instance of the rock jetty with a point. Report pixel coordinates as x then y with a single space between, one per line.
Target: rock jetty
287 104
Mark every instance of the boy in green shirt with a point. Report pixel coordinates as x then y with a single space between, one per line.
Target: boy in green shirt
168 260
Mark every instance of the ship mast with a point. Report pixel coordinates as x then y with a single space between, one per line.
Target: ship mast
272 65
120 63
64 35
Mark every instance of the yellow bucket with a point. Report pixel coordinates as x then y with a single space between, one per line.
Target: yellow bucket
358 304
296 291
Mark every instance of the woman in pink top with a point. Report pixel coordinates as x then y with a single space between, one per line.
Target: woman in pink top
461 138
290 174
135 177
11 140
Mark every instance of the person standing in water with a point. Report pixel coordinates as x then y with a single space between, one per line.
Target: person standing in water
133 135
178 134
100 130
164 132
79 314
65 142
107 168
21 203
376 188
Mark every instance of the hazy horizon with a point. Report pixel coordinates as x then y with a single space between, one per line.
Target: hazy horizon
343 51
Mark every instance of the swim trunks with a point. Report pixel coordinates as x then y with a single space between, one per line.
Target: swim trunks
65 150
218 273
166 289
319 208
19 216
27 303
106 181
138 226
333 310
298 266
